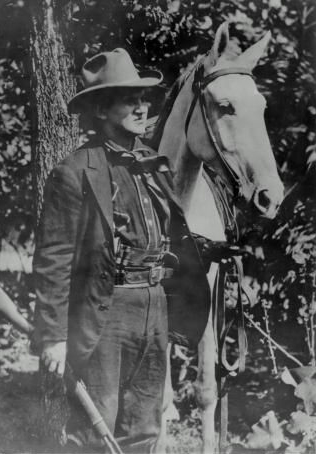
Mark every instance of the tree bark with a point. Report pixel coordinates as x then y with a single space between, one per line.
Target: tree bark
54 136
54 132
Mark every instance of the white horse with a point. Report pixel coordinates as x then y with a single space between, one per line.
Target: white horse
216 118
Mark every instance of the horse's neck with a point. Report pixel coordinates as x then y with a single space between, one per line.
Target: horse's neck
202 214
195 195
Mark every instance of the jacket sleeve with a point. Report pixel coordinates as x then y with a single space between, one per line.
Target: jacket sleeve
54 253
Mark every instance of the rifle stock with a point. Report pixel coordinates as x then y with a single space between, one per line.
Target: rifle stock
10 311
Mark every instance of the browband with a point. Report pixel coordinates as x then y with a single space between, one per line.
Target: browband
222 72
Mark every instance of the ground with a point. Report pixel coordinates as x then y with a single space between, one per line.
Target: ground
251 395
18 400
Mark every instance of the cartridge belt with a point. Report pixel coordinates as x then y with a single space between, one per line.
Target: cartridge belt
137 277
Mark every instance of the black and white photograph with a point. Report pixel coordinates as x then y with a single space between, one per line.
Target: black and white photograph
157 227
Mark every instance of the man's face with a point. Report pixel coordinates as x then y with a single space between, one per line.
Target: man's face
128 112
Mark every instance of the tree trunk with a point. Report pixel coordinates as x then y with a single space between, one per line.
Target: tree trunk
54 132
54 135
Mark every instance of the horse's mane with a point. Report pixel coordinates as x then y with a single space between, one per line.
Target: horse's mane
170 99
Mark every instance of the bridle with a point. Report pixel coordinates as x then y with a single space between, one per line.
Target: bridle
200 82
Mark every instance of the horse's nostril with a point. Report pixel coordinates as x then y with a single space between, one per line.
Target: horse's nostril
264 199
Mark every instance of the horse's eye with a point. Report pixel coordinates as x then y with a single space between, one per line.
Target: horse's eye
226 108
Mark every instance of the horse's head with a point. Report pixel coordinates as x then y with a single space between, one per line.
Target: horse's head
232 122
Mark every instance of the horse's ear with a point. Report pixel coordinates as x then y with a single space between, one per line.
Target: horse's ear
251 56
221 40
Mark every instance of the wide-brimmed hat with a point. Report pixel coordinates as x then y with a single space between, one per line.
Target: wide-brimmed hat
108 70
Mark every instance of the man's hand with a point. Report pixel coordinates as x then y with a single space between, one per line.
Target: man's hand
54 357
216 251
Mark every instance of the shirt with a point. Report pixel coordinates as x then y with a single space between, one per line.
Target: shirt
141 212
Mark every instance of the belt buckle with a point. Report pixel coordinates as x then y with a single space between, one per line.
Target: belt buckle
156 274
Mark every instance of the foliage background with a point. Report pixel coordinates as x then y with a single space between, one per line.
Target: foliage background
170 35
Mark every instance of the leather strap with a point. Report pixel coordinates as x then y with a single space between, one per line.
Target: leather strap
152 276
224 72
199 84
234 177
222 327
223 199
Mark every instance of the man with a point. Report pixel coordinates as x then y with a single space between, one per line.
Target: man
112 237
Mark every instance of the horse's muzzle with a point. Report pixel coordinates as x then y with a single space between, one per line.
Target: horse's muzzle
268 200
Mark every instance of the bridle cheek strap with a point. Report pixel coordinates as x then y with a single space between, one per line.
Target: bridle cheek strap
199 84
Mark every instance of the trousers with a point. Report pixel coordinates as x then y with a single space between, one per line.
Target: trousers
125 375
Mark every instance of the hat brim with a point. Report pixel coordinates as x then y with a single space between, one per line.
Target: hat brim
146 79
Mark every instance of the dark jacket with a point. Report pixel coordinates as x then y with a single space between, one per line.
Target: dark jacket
74 263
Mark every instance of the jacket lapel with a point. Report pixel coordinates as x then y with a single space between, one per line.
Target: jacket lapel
98 177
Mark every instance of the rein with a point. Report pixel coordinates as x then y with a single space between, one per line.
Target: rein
199 84
221 327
